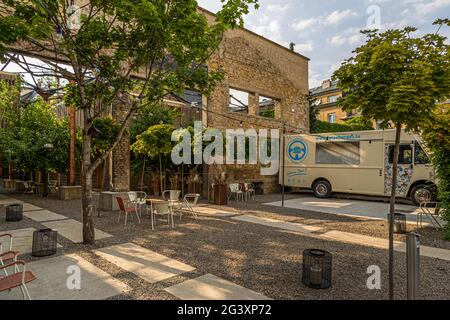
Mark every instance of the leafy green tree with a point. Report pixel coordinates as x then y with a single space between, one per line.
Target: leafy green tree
437 139
155 143
397 78
8 114
27 129
166 44
355 124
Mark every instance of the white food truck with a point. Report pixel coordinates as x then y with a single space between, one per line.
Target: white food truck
358 163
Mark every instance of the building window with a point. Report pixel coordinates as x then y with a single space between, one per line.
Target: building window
333 99
332 118
238 101
266 107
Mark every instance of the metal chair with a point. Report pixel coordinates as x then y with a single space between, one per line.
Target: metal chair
17 278
425 209
138 199
53 186
126 210
249 190
9 255
161 208
189 201
29 187
236 191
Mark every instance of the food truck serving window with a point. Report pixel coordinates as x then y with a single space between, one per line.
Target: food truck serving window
338 153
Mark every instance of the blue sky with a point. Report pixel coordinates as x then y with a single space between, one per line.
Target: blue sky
327 31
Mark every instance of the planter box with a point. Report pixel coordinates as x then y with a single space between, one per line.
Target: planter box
9 184
195 188
69 193
221 194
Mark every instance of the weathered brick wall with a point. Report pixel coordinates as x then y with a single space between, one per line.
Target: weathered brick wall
261 68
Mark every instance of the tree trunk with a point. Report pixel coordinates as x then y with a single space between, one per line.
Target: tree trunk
142 176
86 181
161 176
392 210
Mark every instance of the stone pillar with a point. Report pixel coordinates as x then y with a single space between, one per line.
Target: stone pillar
253 104
121 154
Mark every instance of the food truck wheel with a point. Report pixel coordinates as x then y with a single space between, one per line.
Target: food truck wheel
322 189
421 193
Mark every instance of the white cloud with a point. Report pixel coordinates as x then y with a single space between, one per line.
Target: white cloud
278 8
304 47
301 25
337 16
428 7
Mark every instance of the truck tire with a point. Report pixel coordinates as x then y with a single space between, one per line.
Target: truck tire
322 189
422 193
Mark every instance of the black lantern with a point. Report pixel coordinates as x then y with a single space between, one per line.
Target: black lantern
44 242
399 223
317 269
14 212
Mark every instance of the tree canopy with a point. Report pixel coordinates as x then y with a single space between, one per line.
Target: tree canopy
396 76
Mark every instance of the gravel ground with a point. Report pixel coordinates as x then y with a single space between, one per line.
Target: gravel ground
260 258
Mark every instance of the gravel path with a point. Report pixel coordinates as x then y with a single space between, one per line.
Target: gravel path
264 259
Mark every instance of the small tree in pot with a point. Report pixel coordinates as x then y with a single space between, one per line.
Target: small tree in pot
194 182
220 187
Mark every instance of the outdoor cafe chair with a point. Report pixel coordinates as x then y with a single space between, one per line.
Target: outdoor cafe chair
29 187
161 208
138 199
249 189
173 196
189 201
9 255
124 209
17 278
236 191
53 186
433 216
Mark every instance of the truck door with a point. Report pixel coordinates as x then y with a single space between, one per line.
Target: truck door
405 169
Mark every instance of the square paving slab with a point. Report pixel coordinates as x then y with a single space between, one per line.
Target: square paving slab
210 287
148 265
43 215
214 212
290 226
354 208
30 207
22 240
54 275
384 244
73 230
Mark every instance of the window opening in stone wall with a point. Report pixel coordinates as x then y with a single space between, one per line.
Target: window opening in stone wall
238 101
266 107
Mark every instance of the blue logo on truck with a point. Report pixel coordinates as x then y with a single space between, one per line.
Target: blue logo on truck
297 150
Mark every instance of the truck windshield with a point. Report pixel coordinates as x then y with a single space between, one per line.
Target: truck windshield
420 156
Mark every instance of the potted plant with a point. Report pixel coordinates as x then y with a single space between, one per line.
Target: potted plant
174 182
220 187
194 182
